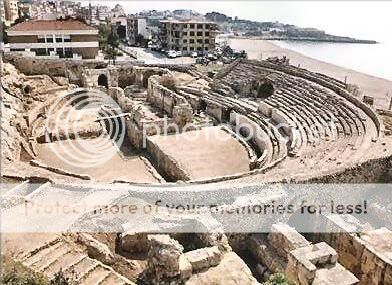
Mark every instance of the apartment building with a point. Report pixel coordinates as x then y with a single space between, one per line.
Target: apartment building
10 11
136 26
56 38
188 35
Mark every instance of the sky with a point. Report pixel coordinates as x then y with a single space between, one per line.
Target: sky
360 19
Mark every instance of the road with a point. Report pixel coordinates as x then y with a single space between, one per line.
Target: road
152 57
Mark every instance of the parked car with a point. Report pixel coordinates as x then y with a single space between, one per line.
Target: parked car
202 60
200 53
193 54
171 54
212 57
227 60
155 47
179 53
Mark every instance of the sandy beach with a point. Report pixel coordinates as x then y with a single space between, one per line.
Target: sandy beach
369 85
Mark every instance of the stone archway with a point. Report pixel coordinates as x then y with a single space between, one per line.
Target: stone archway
103 80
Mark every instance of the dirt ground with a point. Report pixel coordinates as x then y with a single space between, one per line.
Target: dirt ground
208 153
65 154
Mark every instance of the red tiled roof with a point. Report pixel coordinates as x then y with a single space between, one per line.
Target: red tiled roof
41 25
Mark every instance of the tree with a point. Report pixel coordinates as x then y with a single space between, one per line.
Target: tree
122 31
113 42
113 39
140 39
108 40
103 36
3 36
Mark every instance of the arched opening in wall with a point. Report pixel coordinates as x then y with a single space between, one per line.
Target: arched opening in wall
203 106
226 115
103 80
265 89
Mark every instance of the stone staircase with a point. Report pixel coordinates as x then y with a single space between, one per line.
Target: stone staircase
61 255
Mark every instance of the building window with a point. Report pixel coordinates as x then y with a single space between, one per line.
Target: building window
17 49
68 52
199 26
206 48
199 34
185 41
60 52
41 52
199 48
191 48
184 49
207 26
49 39
191 26
199 41
192 34
192 41
207 41
207 34
59 40
41 40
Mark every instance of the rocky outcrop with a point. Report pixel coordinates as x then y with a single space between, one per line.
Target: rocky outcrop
204 258
163 263
134 242
96 249
231 270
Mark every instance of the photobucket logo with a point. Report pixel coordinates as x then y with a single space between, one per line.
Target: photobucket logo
84 129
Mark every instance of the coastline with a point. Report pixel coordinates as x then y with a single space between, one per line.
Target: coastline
308 39
369 85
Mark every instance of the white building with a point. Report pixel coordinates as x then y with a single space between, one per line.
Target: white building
137 26
64 39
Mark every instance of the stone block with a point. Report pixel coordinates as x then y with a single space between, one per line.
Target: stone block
285 238
185 267
163 261
303 262
204 257
96 249
334 275
134 242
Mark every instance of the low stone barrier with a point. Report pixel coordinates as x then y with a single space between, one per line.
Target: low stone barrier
39 164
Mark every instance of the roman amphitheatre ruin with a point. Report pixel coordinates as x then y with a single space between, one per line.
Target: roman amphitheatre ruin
251 123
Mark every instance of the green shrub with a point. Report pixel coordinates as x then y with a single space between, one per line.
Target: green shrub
278 279
61 279
15 273
168 81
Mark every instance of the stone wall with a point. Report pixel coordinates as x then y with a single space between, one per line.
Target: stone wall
260 139
285 250
90 77
366 254
53 67
138 126
162 97
137 75
138 72
166 164
372 171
